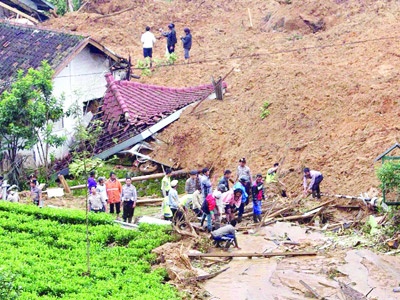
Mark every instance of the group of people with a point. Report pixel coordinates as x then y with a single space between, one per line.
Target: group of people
211 198
7 192
111 191
148 40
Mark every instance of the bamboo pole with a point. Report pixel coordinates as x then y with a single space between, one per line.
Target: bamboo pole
247 254
137 178
251 20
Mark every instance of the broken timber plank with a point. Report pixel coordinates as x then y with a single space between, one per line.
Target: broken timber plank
137 178
311 290
322 204
18 12
64 184
247 254
206 277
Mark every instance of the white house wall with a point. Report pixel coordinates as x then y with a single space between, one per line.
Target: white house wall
81 80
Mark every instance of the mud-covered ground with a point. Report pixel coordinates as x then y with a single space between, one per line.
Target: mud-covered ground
279 278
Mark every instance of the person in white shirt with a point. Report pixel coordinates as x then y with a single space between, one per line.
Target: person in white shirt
315 178
148 40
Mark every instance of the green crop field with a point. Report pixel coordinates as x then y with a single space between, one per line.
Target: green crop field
45 251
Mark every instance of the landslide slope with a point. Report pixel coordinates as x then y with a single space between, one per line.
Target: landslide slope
333 94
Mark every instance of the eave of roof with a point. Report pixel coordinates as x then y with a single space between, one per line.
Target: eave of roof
397 145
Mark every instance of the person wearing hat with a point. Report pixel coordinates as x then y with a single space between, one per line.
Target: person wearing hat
193 195
12 193
187 43
114 189
166 183
315 180
243 170
102 190
273 182
245 197
128 198
96 201
225 180
219 208
258 195
171 38
36 193
173 201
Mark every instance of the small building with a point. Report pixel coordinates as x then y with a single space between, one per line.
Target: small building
132 112
79 65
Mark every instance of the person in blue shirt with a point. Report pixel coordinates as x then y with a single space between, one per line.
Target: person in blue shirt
241 185
187 43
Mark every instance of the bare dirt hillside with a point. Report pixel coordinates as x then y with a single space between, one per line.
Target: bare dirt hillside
333 94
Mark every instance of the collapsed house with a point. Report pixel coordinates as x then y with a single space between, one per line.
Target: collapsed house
131 112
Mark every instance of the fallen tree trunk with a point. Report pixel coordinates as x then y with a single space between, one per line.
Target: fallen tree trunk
116 13
247 254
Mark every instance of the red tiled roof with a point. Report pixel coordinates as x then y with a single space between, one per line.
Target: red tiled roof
131 107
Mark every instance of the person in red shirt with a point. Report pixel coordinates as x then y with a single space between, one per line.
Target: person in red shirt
208 207
114 190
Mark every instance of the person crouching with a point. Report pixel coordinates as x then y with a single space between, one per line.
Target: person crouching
225 233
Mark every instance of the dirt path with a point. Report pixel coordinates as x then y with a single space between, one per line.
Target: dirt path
278 278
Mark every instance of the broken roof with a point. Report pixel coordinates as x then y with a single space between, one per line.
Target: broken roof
24 47
130 108
397 145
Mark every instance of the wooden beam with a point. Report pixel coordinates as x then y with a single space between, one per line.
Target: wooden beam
137 178
116 13
64 184
248 254
32 19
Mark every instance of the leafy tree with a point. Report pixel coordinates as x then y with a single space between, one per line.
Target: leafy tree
389 176
27 114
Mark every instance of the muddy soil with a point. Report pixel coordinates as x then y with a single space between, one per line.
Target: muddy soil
278 278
